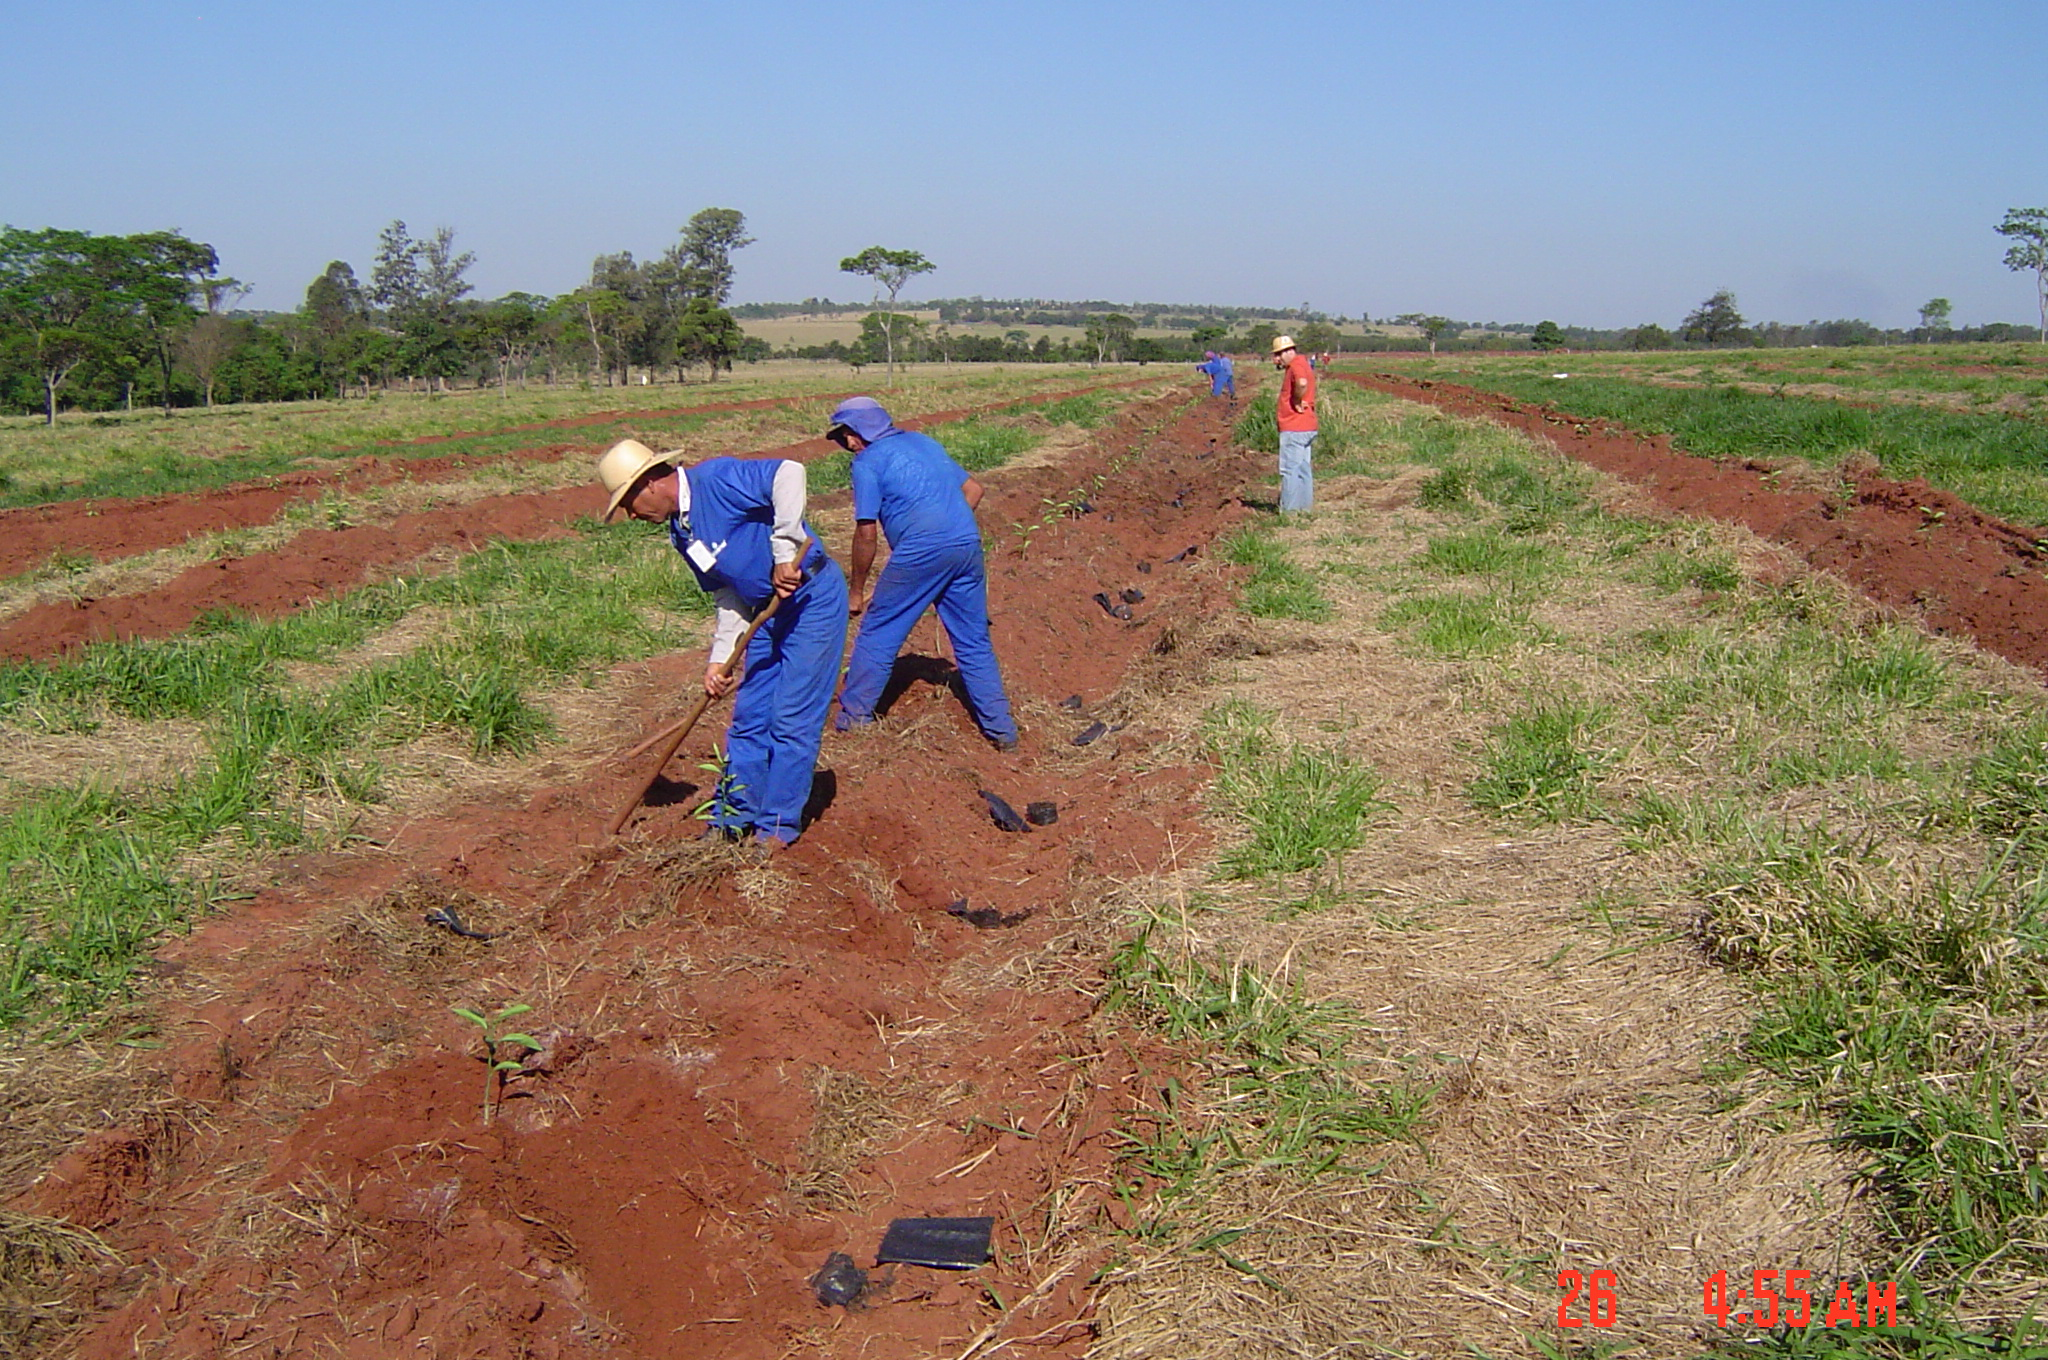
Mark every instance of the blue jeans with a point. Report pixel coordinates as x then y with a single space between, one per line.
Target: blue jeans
778 716
1297 470
953 578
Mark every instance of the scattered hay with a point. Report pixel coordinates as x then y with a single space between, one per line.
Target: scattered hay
680 870
54 1096
394 930
120 753
37 1301
851 1118
766 888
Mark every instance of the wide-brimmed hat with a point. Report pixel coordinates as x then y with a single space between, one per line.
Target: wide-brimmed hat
1281 342
622 466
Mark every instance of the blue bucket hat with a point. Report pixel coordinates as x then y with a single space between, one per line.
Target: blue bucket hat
864 416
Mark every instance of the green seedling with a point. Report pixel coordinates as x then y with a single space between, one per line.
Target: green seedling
720 801
496 1038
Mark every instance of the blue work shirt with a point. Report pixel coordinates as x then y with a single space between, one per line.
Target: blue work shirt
1218 370
912 485
732 517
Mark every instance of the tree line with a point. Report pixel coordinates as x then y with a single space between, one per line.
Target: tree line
110 322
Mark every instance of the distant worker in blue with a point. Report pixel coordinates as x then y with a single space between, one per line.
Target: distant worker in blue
924 502
1222 379
739 524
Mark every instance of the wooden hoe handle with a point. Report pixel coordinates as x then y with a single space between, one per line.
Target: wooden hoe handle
682 729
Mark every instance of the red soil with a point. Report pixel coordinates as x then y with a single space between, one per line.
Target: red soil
643 1189
337 1191
1905 544
316 563
123 526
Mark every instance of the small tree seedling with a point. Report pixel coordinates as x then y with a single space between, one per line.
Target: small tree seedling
720 802
492 1029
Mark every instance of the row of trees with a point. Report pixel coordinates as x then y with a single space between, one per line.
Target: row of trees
101 322
71 301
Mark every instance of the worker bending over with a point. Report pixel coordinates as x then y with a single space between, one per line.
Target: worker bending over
739 523
1222 378
924 502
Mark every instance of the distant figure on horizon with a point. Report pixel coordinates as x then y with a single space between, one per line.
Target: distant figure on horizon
1294 410
1222 377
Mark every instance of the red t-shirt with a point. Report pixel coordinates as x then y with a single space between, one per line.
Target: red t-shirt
1292 417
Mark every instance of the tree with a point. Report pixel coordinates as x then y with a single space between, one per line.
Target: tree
2027 228
159 272
337 316
890 270
1934 316
1649 335
334 301
1259 339
512 326
706 333
1435 328
419 284
209 340
1715 322
709 239
47 297
1547 337
395 273
68 298
1317 337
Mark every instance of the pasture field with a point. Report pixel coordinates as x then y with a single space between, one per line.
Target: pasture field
150 452
1971 419
1489 876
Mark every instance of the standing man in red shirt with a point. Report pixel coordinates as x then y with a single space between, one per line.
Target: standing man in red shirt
1295 409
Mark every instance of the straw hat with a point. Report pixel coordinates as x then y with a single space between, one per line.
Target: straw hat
622 467
1281 342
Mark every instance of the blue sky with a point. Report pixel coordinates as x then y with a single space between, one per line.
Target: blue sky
1588 162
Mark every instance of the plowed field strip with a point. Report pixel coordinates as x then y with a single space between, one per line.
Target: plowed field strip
748 1065
322 562
1907 545
120 526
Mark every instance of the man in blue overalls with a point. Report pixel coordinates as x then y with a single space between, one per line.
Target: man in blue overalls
1222 378
924 502
739 523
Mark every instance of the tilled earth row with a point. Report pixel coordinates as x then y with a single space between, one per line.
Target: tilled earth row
746 1065
1907 544
318 562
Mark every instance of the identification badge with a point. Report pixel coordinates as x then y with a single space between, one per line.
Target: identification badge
702 555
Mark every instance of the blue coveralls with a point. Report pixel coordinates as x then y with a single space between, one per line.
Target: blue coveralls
908 482
1221 377
778 716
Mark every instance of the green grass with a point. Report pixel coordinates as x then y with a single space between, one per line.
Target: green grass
1302 805
1087 411
1490 552
1459 624
1542 763
148 453
102 874
1276 1069
1995 461
1277 588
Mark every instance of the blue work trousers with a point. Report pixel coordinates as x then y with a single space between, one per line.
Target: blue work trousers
952 577
778 716
1297 470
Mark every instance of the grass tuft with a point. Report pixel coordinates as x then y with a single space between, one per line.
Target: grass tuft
1302 804
1541 763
